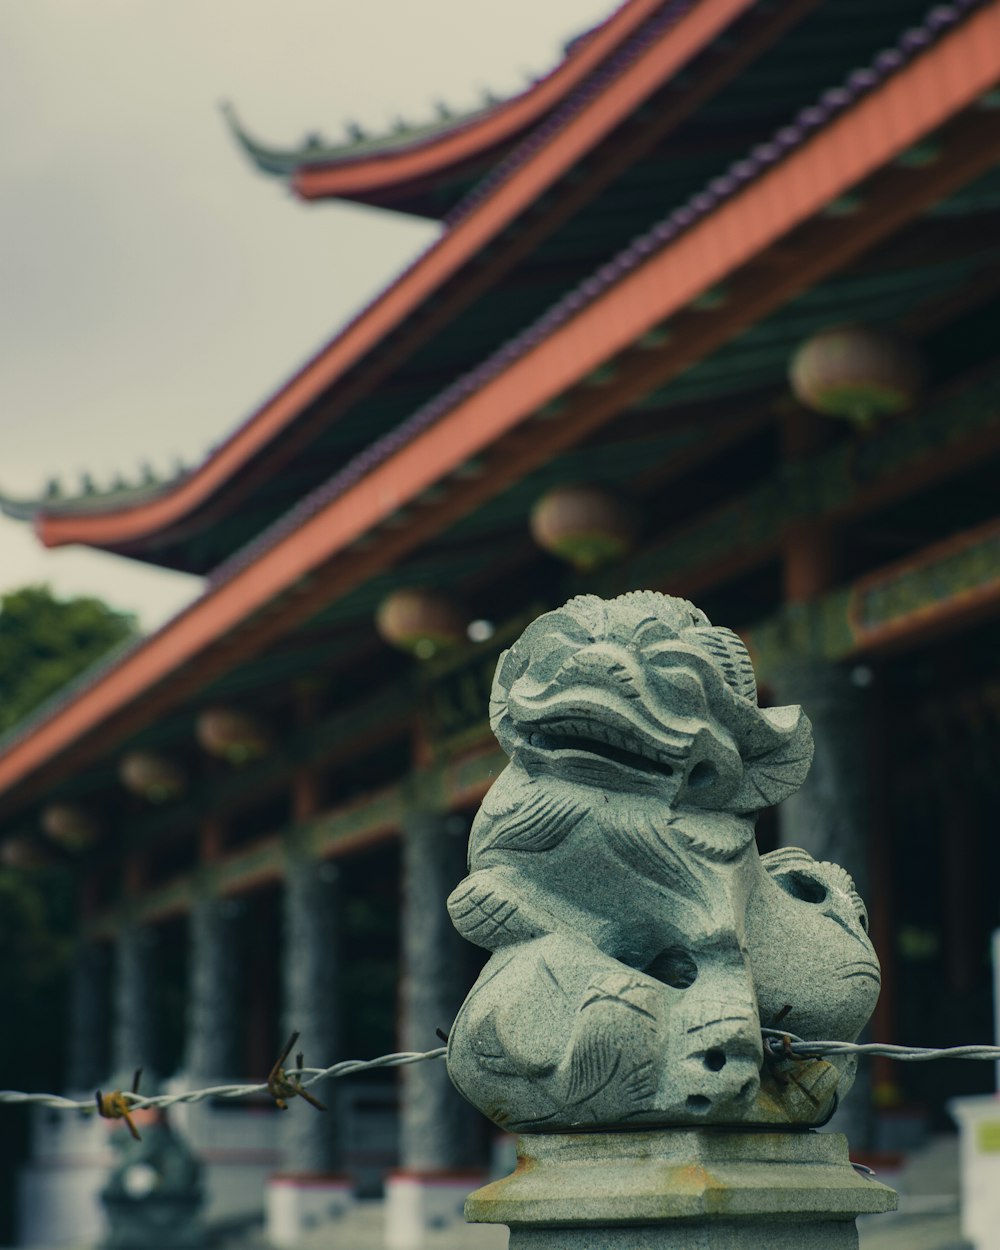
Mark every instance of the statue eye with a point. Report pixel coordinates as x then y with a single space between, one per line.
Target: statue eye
803 887
863 920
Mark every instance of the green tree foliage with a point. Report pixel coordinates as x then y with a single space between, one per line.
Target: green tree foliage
35 925
45 642
35 920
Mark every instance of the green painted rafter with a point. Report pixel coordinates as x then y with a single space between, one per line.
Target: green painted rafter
955 430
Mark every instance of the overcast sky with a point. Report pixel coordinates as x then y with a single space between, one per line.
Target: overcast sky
154 289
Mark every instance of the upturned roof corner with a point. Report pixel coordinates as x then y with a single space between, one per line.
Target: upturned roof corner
316 151
90 498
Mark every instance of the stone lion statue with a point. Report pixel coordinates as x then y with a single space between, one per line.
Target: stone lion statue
639 940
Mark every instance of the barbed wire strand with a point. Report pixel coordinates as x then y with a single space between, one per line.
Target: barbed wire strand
797 1048
779 1045
307 1077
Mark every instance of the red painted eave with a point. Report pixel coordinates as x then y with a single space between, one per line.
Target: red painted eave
441 156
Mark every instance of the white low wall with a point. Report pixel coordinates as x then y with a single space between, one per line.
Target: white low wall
978 1120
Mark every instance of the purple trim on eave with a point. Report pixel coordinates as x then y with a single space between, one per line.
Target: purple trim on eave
463 124
598 80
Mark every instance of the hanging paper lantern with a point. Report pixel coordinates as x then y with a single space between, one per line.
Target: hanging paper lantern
584 525
424 622
855 372
23 852
232 734
156 778
70 826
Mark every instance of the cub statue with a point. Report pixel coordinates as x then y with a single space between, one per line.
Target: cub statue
639 940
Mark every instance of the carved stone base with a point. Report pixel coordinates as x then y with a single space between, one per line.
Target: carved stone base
681 1189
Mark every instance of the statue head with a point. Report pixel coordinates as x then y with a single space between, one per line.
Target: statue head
644 694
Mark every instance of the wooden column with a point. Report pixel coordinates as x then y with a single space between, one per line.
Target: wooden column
308 790
809 558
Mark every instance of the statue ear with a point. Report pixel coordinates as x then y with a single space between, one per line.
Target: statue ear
777 770
510 666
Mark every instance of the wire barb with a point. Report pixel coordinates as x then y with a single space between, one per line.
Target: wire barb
116 1105
281 1086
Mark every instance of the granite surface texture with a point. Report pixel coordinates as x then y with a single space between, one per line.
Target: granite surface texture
639 941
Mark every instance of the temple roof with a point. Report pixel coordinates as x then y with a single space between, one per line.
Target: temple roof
432 197
92 498
723 95
441 496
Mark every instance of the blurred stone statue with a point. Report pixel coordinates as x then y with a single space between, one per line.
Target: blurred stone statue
153 1197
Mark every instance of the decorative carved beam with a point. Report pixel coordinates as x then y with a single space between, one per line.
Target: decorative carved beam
946 586
374 818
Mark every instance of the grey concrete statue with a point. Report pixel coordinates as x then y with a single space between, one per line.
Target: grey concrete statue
639 941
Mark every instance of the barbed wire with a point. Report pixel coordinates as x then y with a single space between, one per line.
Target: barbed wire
303 1076
777 1044
788 1046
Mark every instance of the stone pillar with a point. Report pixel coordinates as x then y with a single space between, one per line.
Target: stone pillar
437 1126
136 1040
435 1120
311 1005
215 1039
89 1059
309 1189
830 815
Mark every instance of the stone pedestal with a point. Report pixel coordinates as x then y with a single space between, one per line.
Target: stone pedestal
681 1189
136 1041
